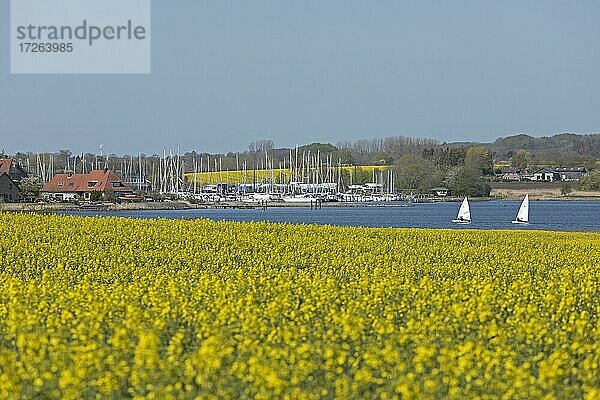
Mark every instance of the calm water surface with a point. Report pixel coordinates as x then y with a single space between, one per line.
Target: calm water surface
546 215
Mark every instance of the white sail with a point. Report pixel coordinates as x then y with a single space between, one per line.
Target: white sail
523 214
464 213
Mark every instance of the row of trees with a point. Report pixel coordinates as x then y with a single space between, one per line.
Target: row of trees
361 152
419 164
521 150
564 148
463 170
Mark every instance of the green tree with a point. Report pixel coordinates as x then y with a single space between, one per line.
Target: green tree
383 158
344 156
565 188
520 159
445 157
590 182
467 181
30 188
478 157
414 172
96 196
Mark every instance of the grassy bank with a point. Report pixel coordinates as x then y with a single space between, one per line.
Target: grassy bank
539 191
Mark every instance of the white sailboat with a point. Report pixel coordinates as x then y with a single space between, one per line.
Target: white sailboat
464 213
523 214
299 198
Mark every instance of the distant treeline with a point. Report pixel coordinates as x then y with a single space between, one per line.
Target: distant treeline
561 149
564 148
361 152
419 164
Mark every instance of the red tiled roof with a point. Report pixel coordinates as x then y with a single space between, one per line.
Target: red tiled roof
95 181
5 165
12 168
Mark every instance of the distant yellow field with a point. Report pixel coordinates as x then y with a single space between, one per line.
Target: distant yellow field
278 175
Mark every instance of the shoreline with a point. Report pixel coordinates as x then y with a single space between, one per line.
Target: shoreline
184 205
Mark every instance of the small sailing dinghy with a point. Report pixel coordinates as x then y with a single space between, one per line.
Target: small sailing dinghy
464 213
523 214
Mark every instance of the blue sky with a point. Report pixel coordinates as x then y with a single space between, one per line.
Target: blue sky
225 73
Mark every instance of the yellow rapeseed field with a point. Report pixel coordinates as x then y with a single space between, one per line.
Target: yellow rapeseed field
279 175
113 308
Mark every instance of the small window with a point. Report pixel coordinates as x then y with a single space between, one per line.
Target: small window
116 184
71 184
60 184
91 184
